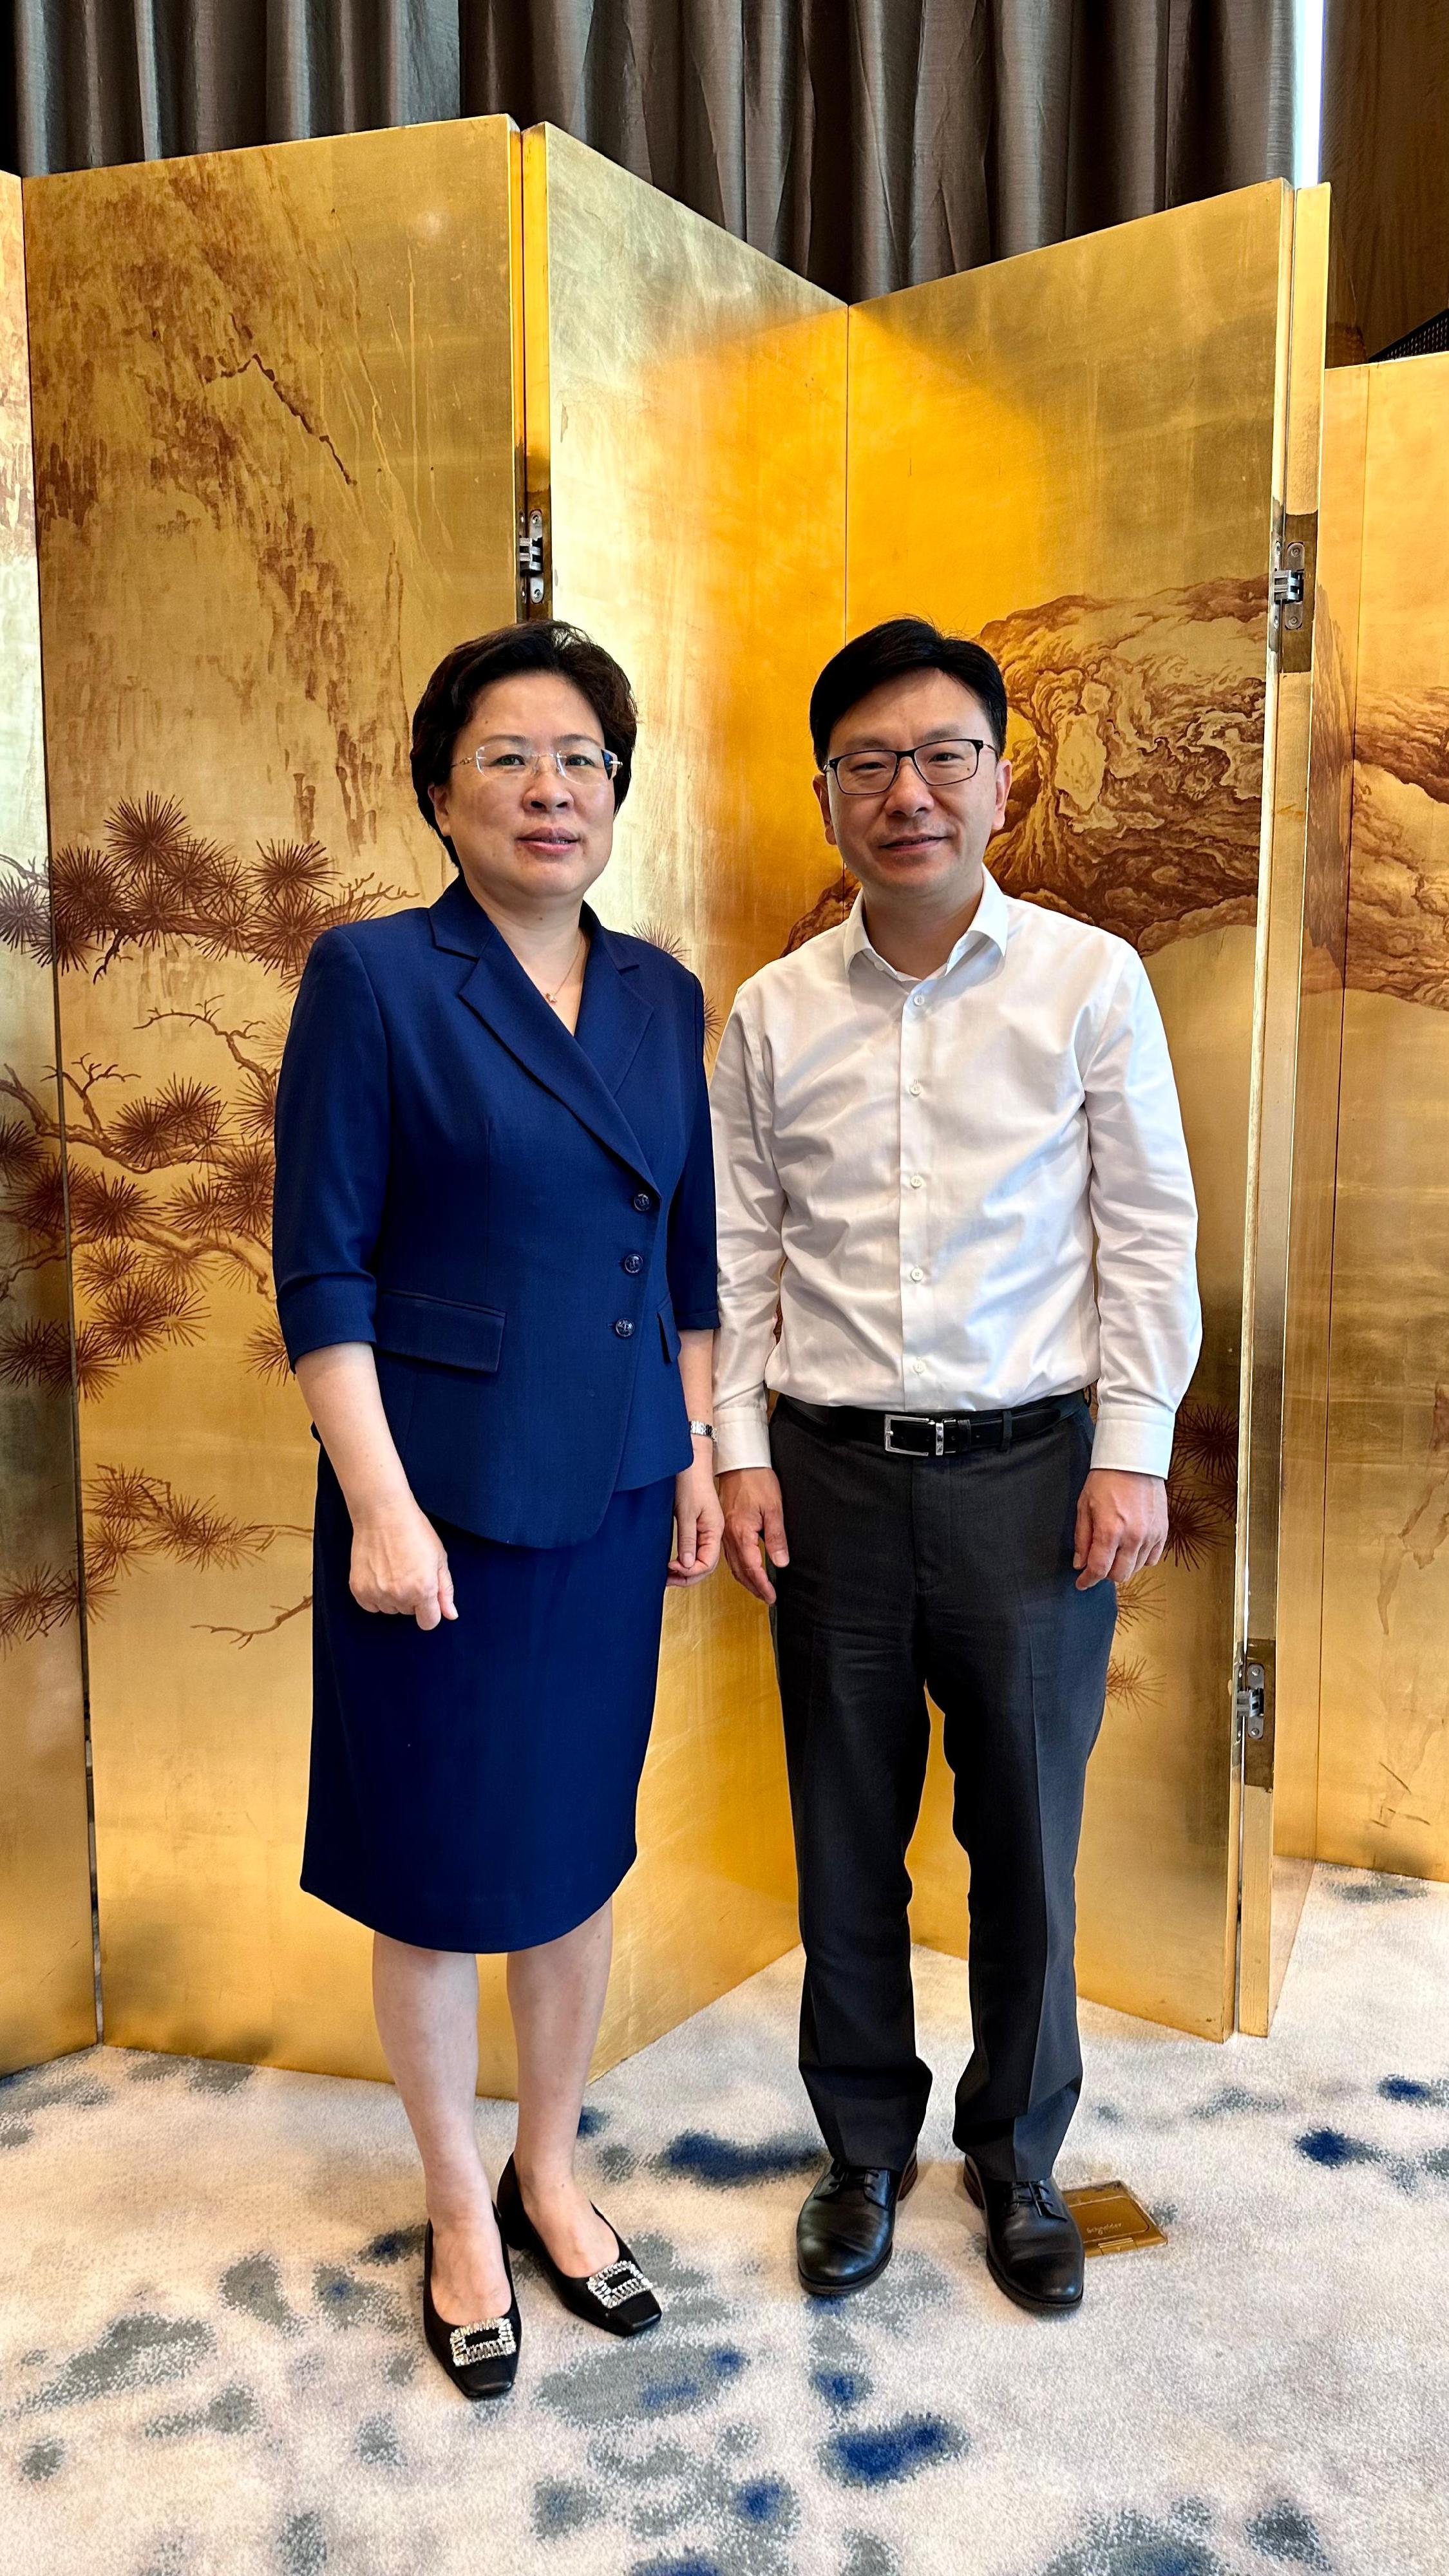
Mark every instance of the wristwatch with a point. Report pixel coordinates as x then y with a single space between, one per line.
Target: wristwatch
701 1430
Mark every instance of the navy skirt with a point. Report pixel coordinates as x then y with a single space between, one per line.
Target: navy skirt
473 1785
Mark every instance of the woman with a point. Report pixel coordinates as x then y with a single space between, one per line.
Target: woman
494 1249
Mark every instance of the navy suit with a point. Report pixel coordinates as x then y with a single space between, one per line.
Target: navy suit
521 1222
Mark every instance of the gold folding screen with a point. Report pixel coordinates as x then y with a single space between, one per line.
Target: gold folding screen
1335 684
47 1978
281 437
275 405
285 426
1297 1046
1310 904
1077 456
686 454
1383 1770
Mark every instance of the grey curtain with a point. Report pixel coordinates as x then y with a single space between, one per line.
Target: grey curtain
1385 153
866 143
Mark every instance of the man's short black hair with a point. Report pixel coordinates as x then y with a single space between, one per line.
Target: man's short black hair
888 652
462 675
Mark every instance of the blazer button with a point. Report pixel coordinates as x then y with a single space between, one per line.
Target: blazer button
633 1262
643 1202
623 1328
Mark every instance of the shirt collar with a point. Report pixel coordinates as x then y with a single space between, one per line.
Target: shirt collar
992 923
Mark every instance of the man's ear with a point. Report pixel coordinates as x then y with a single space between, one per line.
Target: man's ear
822 794
1003 790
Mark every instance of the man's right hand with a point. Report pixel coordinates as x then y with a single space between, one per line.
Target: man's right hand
754 1516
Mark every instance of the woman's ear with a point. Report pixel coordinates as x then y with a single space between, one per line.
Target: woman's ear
438 797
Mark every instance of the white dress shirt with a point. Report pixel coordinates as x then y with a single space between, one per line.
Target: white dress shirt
959 1193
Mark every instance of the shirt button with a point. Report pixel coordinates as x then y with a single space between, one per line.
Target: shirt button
918 1368
917 1181
918 1274
643 1202
633 1262
915 1091
623 1328
916 1000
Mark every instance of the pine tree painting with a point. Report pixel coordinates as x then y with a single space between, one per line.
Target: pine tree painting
164 1189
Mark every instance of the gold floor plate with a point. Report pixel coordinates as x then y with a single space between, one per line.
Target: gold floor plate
1112 2219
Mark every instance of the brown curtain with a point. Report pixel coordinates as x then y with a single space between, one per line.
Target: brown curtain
866 143
1385 153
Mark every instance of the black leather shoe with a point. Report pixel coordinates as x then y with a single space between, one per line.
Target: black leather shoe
1033 2243
616 2297
481 2360
844 2233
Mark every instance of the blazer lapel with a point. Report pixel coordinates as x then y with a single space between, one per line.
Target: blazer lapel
613 1014
584 1072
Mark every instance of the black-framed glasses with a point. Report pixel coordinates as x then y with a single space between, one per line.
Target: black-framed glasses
936 764
584 764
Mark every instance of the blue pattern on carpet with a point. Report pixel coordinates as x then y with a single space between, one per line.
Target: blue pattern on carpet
840 2387
1284 2533
878 2454
235 2380
727 2163
1407 2088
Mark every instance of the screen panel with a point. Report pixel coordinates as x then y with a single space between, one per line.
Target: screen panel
47 1970
1075 455
276 431
1302 1046
686 449
1298 1041
1383 1786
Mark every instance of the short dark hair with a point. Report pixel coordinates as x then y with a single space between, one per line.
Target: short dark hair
888 652
462 675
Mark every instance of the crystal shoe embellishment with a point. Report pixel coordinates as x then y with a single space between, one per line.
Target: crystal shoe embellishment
616 2283
493 2340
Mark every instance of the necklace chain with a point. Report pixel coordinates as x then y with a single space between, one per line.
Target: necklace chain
551 998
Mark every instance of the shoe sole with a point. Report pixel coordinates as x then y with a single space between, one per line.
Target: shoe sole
1010 2289
847 2289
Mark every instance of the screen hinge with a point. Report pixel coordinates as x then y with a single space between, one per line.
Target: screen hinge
530 558
1291 588
1253 1708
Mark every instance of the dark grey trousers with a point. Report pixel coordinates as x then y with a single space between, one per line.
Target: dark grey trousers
952 1576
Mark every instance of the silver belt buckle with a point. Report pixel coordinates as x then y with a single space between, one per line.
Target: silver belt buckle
938 1429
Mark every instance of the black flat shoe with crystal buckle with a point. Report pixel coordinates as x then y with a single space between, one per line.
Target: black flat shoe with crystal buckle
481 2360
616 2297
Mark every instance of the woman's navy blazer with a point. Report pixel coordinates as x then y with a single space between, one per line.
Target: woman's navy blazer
520 1220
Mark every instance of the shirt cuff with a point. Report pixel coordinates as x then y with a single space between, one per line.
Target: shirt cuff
741 1438
1134 1439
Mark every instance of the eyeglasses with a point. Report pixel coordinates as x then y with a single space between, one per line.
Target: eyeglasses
936 764
586 765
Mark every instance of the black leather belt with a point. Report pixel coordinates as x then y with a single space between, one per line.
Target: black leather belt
931 1435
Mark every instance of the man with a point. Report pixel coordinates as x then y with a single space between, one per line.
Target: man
950 1158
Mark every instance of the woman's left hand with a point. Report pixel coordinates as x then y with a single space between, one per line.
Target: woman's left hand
698 1526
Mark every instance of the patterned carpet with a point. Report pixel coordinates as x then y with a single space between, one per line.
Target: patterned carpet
210 2362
